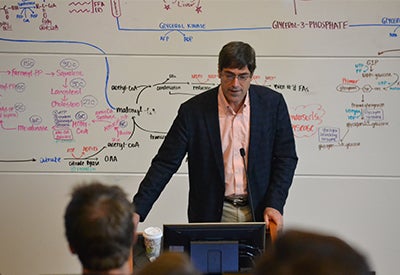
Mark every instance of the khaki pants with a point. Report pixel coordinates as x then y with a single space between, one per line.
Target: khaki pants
231 213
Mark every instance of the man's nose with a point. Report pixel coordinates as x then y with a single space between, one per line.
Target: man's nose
236 81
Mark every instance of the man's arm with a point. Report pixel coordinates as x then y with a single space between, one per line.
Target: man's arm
163 166
284 162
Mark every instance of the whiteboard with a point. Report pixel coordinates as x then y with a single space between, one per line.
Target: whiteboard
92 87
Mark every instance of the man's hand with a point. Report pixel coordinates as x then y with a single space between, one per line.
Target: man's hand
273 215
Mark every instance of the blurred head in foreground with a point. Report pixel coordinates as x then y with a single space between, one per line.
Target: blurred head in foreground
99 227
299 253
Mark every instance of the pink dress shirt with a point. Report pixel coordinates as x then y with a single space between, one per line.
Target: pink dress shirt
235 132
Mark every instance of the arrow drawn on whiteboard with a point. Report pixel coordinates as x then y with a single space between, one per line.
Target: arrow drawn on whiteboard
387 51
65 85
393 82
166 81
2 127
345 134
141 128
19 160
141 91
88 157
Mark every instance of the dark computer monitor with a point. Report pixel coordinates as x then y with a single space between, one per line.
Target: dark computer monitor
217 247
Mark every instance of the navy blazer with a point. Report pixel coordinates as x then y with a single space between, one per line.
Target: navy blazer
195 131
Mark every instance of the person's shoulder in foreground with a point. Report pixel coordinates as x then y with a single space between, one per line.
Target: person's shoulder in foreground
299 252
170 263
99 228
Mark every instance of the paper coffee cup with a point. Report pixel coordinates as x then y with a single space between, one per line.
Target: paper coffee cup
152 241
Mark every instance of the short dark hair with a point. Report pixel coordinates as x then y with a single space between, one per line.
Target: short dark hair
99 226
237 54
298 252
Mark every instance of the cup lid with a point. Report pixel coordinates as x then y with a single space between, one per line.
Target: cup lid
153 232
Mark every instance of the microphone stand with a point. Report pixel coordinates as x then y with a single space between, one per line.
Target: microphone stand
243 154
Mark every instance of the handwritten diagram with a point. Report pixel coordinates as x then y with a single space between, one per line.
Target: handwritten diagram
76 99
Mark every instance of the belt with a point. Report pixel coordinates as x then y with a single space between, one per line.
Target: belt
237 201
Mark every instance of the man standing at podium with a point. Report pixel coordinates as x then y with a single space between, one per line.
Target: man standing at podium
239 144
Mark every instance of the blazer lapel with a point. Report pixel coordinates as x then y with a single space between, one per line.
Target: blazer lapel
212 123
256 125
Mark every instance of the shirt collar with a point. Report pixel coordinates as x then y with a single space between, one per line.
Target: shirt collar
224 105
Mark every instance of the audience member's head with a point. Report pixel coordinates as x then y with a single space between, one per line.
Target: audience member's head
170 263
99 228
298 252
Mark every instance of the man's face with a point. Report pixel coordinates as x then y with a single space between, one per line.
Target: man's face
235 83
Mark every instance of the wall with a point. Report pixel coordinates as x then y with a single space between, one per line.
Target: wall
89 89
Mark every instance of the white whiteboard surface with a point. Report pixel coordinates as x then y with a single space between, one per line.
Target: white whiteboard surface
109 115
76 99
88 90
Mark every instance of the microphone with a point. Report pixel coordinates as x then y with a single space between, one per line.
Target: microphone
243 154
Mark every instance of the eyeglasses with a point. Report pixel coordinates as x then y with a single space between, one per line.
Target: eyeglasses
230 77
